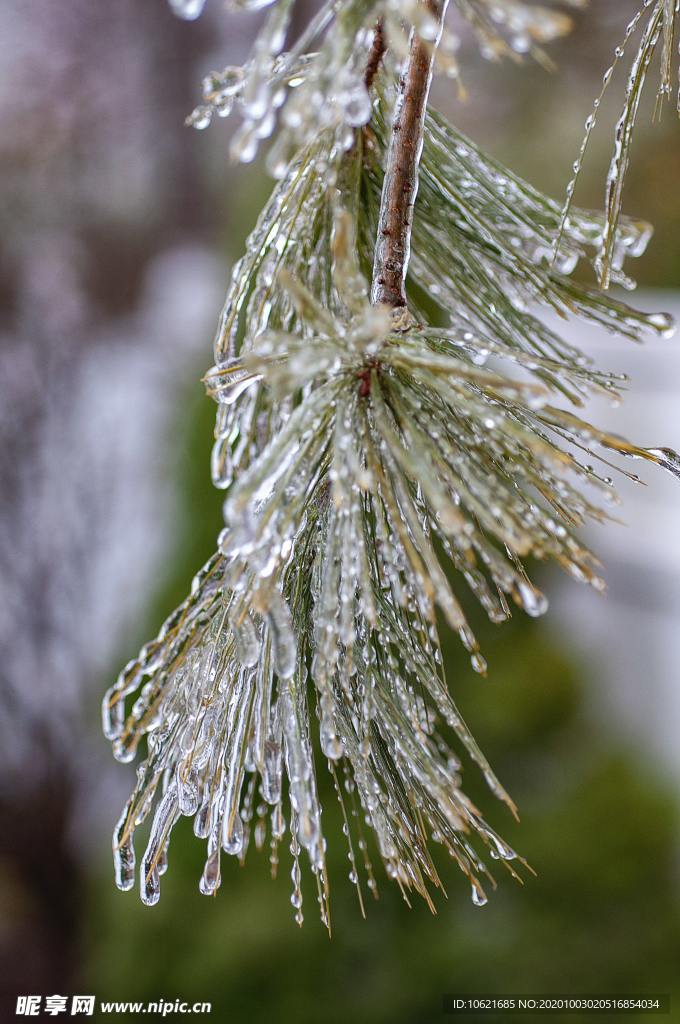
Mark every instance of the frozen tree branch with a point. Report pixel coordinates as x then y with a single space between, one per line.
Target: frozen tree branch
348 507
401 175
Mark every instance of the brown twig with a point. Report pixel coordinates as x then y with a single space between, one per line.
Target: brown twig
401 174
375 55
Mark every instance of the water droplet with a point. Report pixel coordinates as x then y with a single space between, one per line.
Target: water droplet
479 897
188 10
199 118
530 598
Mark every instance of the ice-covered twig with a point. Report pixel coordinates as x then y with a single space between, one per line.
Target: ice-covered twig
401 175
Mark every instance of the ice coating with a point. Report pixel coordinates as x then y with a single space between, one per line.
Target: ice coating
370 464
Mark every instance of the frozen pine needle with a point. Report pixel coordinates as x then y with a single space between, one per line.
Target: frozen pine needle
375 460
656 21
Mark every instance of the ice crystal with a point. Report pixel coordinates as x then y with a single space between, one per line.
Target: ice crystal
372 459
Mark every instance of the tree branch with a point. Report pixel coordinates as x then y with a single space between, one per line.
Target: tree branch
375 55
400 186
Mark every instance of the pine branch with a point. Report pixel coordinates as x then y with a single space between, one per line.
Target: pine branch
316 619
401 175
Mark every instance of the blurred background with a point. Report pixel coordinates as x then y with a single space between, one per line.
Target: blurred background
119 227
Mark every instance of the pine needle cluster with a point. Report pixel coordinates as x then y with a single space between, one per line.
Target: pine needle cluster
375 457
